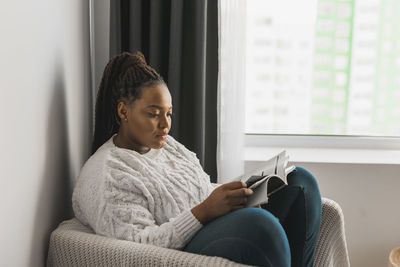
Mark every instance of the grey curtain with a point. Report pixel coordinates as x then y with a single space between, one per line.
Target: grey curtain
180 40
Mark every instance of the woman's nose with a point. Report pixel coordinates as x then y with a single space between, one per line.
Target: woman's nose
164 122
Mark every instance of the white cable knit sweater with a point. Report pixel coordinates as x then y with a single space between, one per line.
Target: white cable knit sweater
143 198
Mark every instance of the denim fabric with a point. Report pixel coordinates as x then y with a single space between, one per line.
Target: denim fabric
283 233
298 208
251 236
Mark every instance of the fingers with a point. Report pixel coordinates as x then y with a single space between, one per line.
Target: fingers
234 185
238 201
238 196
242 192
235 195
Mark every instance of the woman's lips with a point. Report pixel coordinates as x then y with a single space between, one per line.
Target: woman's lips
162 136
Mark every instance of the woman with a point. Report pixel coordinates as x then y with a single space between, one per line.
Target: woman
142 185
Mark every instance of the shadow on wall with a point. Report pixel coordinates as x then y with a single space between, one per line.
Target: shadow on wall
54 200
53 204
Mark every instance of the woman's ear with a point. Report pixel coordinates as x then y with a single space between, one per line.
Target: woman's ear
123 111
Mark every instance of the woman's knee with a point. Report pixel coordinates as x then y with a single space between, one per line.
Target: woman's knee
301 176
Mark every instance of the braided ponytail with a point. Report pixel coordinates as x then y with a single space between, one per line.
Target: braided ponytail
123 79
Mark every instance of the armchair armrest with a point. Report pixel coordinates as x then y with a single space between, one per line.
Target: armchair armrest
73 244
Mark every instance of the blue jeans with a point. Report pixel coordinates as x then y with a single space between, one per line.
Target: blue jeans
283 233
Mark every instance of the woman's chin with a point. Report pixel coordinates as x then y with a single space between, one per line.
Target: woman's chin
158 145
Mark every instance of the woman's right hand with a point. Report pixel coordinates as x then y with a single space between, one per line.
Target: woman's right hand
225 198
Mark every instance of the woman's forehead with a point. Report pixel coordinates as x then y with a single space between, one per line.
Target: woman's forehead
158 107
156 97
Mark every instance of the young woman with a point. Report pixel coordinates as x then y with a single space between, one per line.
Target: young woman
142 185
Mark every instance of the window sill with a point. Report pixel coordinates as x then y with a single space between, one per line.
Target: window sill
326 155
324 149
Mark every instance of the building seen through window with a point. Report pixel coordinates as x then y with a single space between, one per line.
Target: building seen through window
323 67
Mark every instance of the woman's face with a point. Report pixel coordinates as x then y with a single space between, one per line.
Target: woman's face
149 118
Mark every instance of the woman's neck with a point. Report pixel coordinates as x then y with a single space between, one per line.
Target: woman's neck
122 141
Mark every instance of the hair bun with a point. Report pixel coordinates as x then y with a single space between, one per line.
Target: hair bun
139 58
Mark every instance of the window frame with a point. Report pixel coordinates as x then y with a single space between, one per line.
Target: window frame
324 149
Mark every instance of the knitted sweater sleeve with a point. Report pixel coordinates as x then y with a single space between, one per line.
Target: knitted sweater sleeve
127 215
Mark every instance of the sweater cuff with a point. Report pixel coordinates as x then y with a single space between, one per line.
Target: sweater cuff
187 225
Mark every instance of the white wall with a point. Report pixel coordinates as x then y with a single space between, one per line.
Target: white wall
45 120
370 197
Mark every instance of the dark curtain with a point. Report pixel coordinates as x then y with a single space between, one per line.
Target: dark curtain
179 38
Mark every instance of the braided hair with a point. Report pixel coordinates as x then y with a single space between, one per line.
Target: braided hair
123 79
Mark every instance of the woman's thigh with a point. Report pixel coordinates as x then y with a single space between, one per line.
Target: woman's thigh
249 236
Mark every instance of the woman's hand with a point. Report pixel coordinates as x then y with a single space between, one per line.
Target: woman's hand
225 198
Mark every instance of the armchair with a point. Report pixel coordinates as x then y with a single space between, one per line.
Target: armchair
73 244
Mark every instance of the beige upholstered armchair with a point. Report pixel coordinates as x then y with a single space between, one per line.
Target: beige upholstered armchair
73 244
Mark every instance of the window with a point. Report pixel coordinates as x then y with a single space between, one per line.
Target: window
323 67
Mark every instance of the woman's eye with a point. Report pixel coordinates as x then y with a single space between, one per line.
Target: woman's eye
156 114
